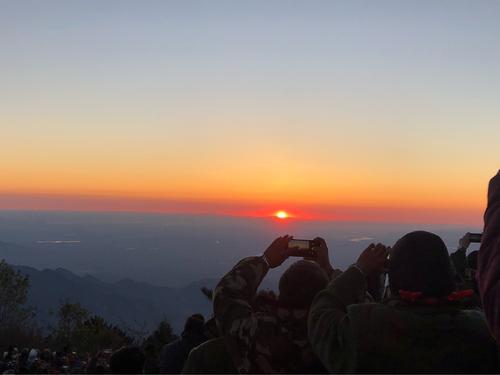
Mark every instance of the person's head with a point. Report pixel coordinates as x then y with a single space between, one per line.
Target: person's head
46 355
127 360
300 283
420 263
194 325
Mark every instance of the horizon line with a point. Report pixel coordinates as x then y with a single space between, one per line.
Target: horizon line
265 210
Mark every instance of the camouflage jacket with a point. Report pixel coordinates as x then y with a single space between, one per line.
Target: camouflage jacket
271 341
395 337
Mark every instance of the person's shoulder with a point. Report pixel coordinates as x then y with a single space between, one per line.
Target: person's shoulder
175 342
367 308
172 345
472 318
366 316
270 324
209 349
256 324
474 313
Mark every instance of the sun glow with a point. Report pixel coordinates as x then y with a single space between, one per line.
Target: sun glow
281 215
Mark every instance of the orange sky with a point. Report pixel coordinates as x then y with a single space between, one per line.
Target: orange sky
256 178
385 112
297 211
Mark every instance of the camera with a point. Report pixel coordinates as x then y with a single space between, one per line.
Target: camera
475 237
302 248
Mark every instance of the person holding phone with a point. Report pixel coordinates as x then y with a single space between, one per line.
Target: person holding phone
271 339
425 327
466 265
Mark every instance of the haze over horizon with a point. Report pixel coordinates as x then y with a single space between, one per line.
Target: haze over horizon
175 250
352 110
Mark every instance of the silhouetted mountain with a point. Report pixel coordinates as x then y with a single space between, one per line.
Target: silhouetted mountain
127 303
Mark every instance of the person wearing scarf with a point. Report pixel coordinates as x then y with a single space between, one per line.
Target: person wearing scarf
423 328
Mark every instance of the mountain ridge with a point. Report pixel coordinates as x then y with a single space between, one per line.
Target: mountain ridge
124 303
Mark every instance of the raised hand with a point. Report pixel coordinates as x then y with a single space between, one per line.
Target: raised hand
464 242
373 259
277 252
322 257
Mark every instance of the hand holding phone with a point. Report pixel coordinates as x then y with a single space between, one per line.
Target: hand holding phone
277 252
469 238
302 248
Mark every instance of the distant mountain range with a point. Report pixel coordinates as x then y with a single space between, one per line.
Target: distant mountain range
126 303
132 305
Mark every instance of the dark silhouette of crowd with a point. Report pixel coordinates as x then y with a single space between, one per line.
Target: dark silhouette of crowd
174 354
407 308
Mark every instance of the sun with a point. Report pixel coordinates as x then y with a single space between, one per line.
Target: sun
281 215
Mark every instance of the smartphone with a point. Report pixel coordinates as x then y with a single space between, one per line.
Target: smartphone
301 248
475 237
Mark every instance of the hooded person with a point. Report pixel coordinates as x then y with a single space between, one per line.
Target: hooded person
424 327
127 360
174 354
264 334
210 357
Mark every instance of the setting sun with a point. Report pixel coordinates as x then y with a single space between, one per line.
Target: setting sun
281 215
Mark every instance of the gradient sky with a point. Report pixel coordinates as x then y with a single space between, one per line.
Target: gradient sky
384 110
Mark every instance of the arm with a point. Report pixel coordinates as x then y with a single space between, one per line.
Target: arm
459 258
328 323
234 294
323 259
489 258
233 298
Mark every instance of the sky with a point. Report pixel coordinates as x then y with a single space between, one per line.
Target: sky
348 110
